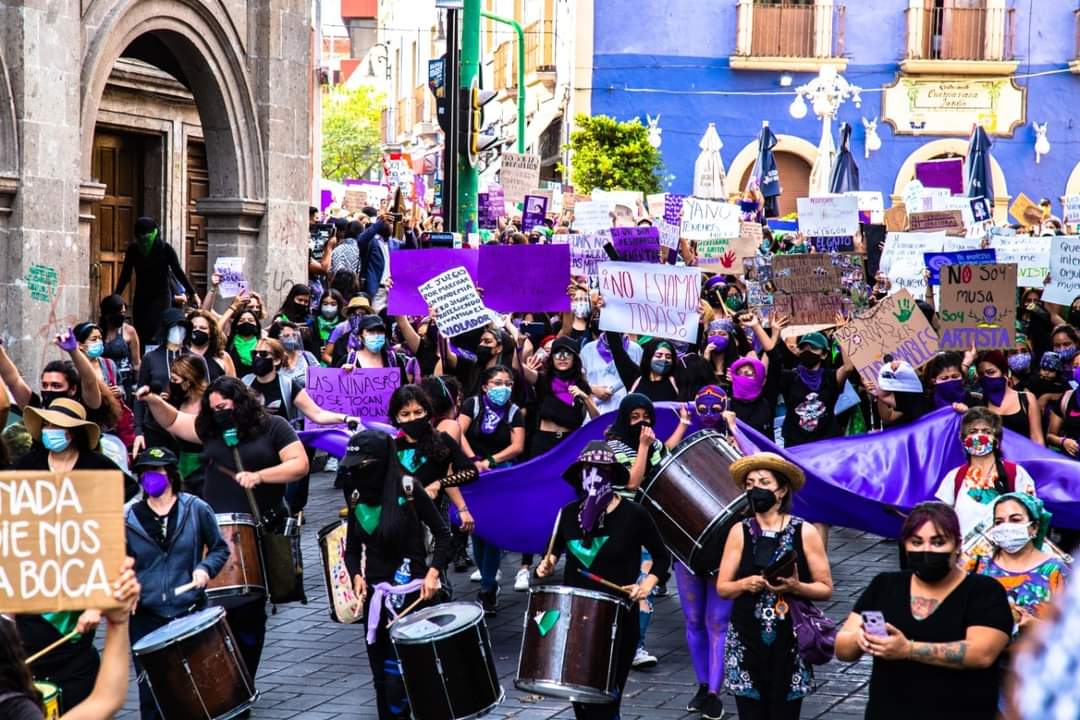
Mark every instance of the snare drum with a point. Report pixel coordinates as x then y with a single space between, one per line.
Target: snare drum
571 644
447 663
243 577
195 668
339 585
694 500
50 699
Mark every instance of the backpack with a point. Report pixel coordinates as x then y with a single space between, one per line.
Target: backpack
125 423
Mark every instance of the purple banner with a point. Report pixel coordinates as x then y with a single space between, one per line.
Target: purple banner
485 217
948 173
673 208
535 212
362 392
496 203
637 244
540 276
412 268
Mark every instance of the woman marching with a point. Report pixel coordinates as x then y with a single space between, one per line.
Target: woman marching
167 532
603 535
386 538
762 665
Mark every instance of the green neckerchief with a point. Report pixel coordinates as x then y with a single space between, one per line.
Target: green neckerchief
187 463
368 516
146 242
244 347
326 327
586 555
64 621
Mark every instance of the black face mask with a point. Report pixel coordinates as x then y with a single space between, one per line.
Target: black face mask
809 359
47 396
200 338
635 432
484 354
367 481
116 320
176 391
262 366
418 429
224 419
929 566
761 499
247 329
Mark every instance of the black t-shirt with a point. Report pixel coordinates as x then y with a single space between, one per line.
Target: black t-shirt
902 689
626 530
222 492
427 467
496 441
810 413
159 527
270 392
382 562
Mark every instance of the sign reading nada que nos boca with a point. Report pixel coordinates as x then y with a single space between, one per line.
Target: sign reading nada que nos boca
950 106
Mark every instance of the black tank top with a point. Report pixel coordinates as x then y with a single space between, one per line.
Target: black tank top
119 352
1071 418
1018 421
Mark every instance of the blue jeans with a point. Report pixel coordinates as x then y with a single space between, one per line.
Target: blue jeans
487 558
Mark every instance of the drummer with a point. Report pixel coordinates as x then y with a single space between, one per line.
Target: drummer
386 535
604 535
166 532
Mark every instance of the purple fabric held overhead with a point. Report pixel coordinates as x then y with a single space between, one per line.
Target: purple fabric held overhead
948 173
412 268
525 278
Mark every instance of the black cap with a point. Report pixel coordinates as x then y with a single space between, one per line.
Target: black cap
370 212
145 225
155 457
597 452
365 445
173 316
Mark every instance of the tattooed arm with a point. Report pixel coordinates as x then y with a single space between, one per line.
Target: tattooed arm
978 650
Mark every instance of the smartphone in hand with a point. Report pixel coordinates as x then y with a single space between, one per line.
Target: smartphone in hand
874 623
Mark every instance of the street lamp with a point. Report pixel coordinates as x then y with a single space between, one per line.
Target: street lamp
826 93
384 59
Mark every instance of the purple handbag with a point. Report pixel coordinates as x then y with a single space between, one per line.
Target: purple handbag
814 631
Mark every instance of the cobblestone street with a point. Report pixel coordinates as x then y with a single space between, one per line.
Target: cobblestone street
316 669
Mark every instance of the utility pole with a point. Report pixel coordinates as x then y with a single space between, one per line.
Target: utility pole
468 180
451 124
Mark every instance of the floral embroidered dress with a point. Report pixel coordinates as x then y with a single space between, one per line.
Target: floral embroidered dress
1029 591
761 656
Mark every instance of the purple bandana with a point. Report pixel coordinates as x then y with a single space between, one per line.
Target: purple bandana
811 378
560 388
604 350
596 484
493 415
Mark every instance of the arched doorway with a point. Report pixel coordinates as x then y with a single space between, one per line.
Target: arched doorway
794 161
195 44
952 147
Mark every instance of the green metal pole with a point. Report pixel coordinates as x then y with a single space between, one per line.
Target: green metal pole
521 73
468 179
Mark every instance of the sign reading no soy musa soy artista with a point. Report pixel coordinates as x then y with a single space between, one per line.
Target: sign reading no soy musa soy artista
646 299
978 307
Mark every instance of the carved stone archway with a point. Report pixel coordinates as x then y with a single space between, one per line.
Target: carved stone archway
954 146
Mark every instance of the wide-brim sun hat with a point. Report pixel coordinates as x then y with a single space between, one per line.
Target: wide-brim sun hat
64 413
767 461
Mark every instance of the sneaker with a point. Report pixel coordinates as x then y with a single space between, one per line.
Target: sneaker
698 701
331 465
489 601
643 660
475 577
462 562
713 708
660 590
521 581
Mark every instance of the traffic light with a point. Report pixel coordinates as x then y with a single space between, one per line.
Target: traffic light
477 141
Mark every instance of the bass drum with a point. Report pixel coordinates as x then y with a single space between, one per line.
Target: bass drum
243 577
694 500
447 663
571 644
339 587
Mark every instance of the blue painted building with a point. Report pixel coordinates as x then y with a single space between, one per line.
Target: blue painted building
729 62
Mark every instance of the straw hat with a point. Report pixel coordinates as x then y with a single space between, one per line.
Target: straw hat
62 412
768 461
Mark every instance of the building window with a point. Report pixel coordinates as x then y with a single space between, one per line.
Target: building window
789 35
960 36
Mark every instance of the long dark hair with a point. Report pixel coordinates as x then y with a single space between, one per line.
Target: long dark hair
397 522
14 673
443 397
414 393
287 303
236 322
577 370
250 416
647 352
110 305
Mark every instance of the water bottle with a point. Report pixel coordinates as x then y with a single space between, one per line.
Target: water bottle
401 576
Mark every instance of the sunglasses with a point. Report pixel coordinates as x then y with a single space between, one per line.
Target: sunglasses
562 355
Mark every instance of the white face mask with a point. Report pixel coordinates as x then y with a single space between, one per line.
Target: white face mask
177 333
1010 537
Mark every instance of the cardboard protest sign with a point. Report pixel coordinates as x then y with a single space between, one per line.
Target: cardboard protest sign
895 326
978 307
934 261
1025 211
896 219
412 268
354 200
1031 255
951 221
673 208
592 216
518 175
453 296
946 173
362 392
656 300
61 539
725 255
903 262
637 244
541 273
809 285
231 272
496 202
1064 284
829 216
1070 209
708 219
535 212
655 205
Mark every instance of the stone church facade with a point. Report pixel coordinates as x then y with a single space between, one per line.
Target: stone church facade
195 112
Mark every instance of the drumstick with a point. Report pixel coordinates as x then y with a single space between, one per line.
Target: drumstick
554 533
183 589
606 583
404 612
53 646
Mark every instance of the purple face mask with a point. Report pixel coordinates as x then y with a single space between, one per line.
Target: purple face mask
949 392
746 388
154 482
719 342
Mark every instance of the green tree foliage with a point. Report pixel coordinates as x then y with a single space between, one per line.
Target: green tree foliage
612 155
351 123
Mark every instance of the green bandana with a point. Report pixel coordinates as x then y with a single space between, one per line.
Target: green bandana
244 347
326 327
64 622
146 242
586 555
546 620
368 516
